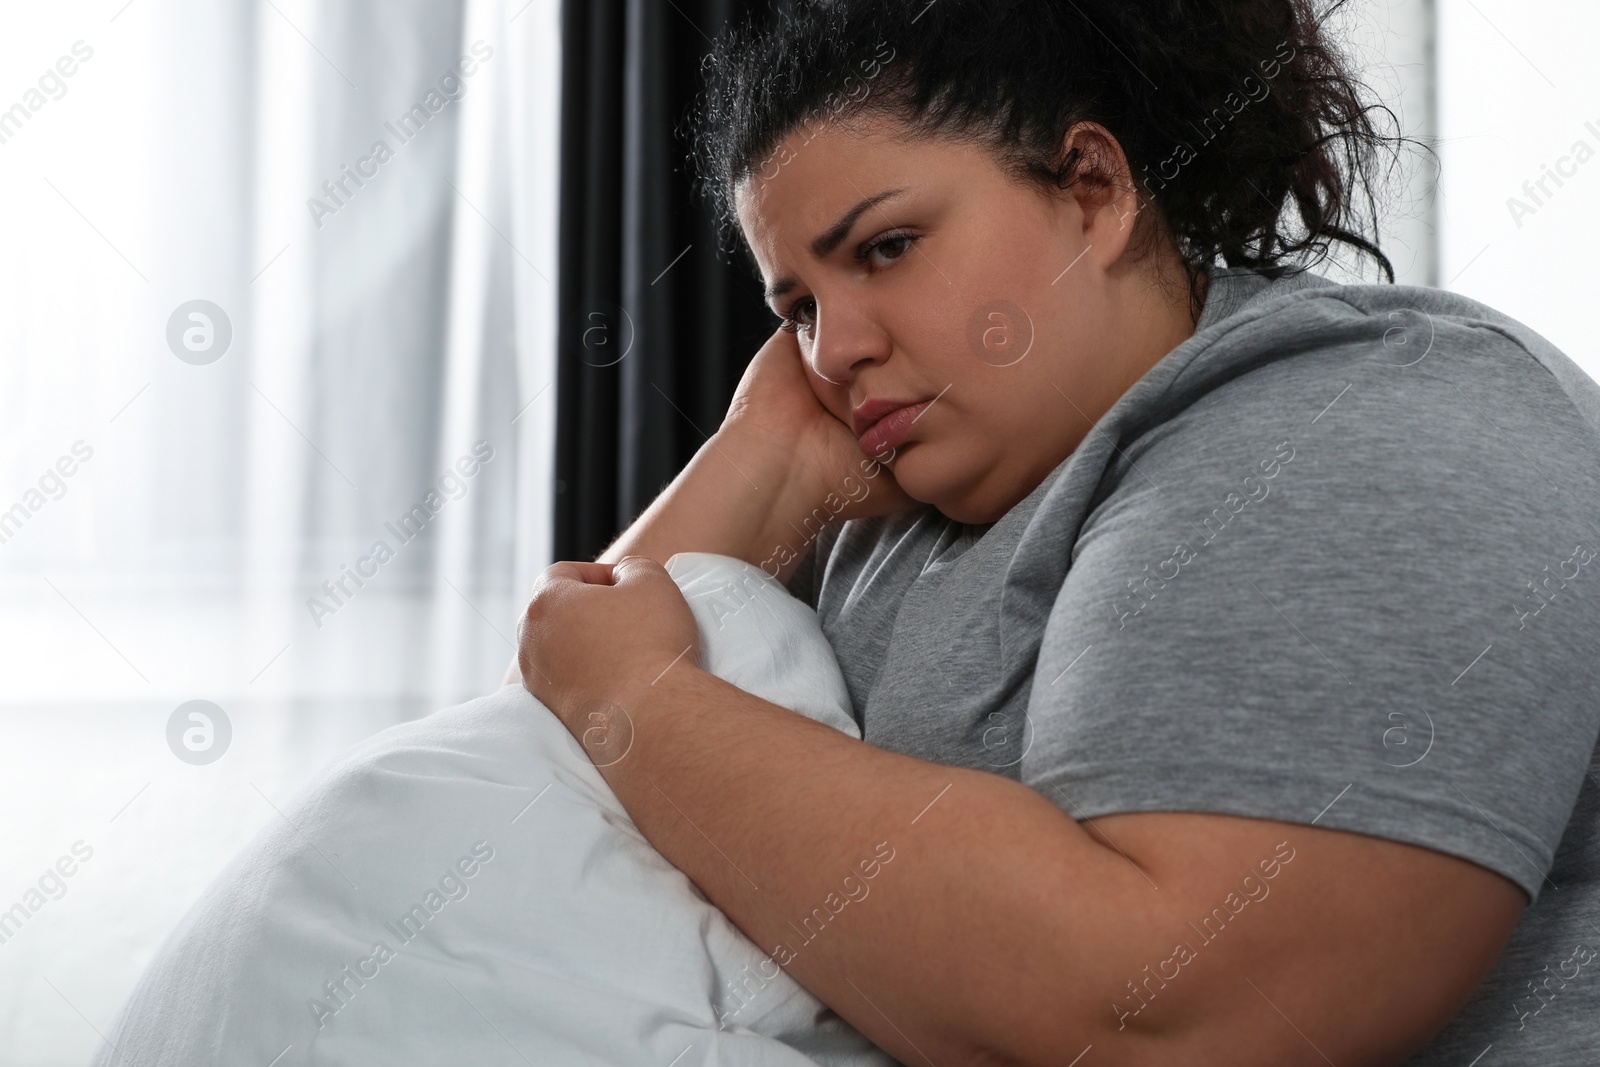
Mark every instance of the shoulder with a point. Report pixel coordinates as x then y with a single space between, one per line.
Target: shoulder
1308 321
1382 367
1389 404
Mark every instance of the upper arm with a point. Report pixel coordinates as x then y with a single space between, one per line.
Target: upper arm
1279 943
1310 616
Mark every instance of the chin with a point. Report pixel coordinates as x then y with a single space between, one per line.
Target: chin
924 478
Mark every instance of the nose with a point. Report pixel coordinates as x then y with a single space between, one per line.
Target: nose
845 340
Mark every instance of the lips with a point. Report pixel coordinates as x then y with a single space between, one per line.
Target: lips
871 411
881 425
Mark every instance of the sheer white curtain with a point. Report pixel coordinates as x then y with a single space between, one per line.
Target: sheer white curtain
169 514
382 328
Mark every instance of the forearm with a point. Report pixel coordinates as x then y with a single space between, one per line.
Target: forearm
732 498
994 911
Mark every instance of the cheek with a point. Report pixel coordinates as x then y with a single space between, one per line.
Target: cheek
1000 416
1001 314
956 350
985 337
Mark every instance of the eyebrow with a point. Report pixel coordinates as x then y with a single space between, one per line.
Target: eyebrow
825 242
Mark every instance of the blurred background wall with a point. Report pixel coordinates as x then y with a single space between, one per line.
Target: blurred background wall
240 347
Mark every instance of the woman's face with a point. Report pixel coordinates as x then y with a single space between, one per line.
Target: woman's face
920 271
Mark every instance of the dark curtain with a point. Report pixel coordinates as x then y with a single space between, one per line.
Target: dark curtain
652 339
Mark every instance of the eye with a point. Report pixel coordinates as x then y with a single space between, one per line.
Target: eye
793 321
891 246
896 243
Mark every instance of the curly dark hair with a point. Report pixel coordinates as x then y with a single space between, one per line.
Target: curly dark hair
1235 116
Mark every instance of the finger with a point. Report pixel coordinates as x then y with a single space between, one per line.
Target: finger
644 570
633 568
786 339
572 570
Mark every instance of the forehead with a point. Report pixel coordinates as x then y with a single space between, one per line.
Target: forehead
807 174
816 174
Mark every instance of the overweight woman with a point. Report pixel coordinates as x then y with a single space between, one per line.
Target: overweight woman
1223 638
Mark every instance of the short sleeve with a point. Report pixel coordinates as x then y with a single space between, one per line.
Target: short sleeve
1347 592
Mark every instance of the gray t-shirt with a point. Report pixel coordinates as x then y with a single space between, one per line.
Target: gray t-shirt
1333 560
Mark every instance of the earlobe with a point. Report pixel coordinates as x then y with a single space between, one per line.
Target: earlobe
1109 224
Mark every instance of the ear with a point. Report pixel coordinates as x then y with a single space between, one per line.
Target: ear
1102 184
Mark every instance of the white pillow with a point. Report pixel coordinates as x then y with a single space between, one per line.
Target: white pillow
465 888
757 636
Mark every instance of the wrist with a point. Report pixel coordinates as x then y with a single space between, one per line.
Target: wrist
769 479
768 465
719 503
606 727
